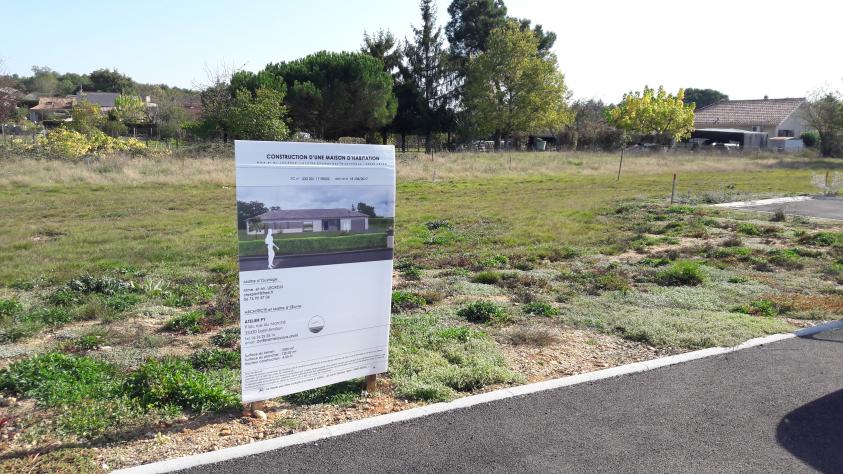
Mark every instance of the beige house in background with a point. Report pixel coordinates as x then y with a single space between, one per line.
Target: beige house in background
777 117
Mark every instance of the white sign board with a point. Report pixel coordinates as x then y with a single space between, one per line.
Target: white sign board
315 224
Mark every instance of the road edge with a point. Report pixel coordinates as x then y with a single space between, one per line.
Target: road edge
763 202
310 436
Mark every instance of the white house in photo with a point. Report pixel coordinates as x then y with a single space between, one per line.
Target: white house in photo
287 221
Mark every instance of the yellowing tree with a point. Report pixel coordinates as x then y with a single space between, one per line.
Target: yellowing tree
511 88
654 112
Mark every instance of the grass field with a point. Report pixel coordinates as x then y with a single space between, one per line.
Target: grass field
118 297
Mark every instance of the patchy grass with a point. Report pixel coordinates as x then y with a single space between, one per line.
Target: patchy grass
433 363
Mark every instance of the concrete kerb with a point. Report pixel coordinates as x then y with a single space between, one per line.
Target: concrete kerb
465 402
763 202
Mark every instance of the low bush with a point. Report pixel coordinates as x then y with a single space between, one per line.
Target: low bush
226 338
437 224
214 358
761 307
540 308
56 379
487 278
174 381
681 273
749 229
778 216
732 241
785 258
495 261
823 239
317 244
654 261
406 301
187 323
9 308
484 312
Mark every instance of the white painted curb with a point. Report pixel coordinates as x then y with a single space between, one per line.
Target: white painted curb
465 402
762 202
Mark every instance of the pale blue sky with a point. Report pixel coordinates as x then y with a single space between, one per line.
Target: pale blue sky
746 49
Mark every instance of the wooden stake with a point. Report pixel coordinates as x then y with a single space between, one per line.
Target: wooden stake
620 165
372 383
673 189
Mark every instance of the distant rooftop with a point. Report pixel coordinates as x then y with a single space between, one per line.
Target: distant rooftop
752 112
103 99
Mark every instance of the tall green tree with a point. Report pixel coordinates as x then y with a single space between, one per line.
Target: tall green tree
512 88
654 112
428 70
703 97
331 95
130 109
258 116
107 80
824 113
470 25
383 45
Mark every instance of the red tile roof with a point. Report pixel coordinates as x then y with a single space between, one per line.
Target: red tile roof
749 112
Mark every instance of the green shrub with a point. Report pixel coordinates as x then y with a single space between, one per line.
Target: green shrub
122 301
681 273
339 394
174 381
226 338
213 359
654 261
488 277
93 339
317 244
681 209
9 307
484 312
540 308
608 282
406 301
823 239
60 379
810 138
785 258
495 261
778 216
187 323
762 307
749 229
738 279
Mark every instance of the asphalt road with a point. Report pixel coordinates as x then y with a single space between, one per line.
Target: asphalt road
826 208
773 408
291 261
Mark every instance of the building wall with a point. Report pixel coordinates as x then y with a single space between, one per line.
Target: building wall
796 122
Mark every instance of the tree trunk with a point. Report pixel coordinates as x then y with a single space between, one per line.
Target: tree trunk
428 141
497 139
403 141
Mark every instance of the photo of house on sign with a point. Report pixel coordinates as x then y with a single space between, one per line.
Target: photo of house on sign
272 234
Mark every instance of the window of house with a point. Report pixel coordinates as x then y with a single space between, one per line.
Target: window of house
785 133
307 226
756 128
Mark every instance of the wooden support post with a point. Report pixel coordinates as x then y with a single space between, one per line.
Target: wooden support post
673 189
372 383
620 165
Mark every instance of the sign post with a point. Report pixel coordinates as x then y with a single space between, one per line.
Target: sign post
315 232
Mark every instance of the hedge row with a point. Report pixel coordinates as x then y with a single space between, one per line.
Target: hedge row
316 244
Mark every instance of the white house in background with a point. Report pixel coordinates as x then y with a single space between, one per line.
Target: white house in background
776 117
308 220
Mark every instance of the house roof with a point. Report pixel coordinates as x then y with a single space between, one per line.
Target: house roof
750 112
103 99
287 214
54 103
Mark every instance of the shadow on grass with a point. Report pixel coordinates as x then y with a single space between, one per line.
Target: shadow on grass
814 433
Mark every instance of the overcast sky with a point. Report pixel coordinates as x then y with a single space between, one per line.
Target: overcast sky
745 49
321 197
